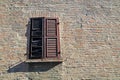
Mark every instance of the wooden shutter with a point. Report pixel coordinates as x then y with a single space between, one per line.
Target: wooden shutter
51 38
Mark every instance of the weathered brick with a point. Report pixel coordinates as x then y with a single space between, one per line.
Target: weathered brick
89 35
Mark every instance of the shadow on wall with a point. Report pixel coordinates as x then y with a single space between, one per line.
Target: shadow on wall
31 67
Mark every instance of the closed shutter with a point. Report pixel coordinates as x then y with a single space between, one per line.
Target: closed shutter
51 38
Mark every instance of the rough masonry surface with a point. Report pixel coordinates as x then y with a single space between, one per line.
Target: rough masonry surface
89 36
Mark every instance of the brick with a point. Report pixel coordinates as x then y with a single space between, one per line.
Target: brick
89 35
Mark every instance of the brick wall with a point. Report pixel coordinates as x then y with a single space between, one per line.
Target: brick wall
89 35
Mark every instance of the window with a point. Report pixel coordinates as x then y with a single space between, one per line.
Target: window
44 38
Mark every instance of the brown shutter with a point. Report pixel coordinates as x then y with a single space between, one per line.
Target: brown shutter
51 37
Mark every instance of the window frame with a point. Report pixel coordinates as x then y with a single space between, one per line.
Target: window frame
44 35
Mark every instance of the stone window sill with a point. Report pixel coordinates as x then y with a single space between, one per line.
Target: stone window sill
44 60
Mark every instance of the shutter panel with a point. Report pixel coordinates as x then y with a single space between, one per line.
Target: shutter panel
51 38
51 47
51 27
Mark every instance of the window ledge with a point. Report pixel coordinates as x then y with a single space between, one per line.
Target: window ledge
43 60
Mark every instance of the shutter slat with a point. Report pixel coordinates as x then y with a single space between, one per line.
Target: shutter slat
51 44
51 50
